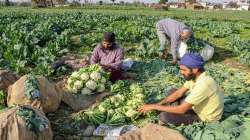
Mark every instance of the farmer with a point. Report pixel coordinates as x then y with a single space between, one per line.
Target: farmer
173 31
203 103
109 55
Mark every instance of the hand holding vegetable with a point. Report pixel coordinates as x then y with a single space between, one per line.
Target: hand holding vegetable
146 108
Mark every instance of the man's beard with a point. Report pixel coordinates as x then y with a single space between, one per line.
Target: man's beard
191 76
108 48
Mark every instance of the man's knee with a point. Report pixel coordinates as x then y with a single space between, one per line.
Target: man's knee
164 117
176 119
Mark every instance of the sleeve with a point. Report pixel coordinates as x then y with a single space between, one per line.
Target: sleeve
188 84
174 45
198 94
118 59
95 56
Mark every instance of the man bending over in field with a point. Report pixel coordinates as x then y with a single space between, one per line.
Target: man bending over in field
173 31
204 102
109 55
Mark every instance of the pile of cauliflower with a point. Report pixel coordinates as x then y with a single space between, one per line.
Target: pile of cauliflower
125 100
89 80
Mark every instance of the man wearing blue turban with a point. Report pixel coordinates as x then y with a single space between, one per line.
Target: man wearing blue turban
204 101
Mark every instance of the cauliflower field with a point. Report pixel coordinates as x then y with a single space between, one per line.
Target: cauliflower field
32 39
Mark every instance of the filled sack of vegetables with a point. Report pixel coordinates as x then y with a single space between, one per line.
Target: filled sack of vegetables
152 132
35 91
24 123
7 78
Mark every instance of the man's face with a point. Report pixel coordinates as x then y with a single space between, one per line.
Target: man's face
187 73
185 35
106 44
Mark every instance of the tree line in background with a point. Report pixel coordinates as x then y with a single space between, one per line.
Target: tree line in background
52 3
33 3
46 3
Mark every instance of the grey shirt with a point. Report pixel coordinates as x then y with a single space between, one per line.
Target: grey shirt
172 29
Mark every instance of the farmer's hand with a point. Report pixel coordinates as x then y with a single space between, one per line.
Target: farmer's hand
106 66
163 54
146 108
174 62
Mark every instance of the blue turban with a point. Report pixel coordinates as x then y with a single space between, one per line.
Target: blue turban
192 60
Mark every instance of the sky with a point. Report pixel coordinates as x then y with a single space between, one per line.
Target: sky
145 1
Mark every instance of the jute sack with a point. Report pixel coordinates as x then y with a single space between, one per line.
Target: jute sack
152 132
48 100
7 78
206 53
14 126
78 101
